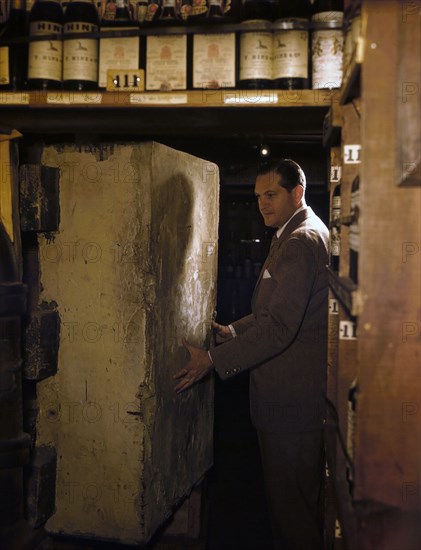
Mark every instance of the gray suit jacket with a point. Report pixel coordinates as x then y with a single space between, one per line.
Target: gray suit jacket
284 340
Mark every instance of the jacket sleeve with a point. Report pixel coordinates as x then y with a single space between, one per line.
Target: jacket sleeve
243 324
280 305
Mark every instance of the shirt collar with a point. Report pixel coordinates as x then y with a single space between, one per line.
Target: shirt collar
281 229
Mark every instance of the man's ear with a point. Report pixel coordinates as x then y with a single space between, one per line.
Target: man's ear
298 193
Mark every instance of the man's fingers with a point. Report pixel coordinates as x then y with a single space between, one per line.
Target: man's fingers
222 330
183 386
180 374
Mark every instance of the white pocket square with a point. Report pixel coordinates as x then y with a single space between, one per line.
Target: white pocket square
266 274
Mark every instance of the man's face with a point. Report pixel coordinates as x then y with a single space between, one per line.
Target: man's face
275 203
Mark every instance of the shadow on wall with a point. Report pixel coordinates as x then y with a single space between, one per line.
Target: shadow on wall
171 230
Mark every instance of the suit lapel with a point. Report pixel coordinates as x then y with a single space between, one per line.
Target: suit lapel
292 225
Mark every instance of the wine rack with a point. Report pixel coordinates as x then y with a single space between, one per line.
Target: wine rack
373 347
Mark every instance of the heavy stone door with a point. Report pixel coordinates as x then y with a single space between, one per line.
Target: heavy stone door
130 270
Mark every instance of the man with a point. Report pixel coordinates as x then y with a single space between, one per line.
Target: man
284 342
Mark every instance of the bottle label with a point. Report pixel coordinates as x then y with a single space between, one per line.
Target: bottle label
329 16
4 65
168 4
109 11
336 202
335 242
290 54
336 208
185 10
80 56
215 3
199 7
327 51
152 9
79 27
335 249
117 54
256 55
141 11
45 57
214 60
38 28
166 62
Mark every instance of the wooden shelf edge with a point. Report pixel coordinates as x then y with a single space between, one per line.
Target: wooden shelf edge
343 499
351 81
346 291
186 99
332 126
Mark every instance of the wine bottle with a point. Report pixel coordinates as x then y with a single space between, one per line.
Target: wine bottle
45 57
214 60
80 55
354 234
291 45
232 10
215 13
185 11
327 44
199 11
153 11
117 53
255 49
141 11
335 231
336 205
166 62
168 16
14 54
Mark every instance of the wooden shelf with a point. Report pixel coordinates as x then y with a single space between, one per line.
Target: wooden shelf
332 126
346 291
343 499
214 112
186 99
351 81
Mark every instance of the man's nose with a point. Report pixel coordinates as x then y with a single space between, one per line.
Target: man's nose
263 201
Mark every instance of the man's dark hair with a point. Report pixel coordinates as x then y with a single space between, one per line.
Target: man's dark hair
291 174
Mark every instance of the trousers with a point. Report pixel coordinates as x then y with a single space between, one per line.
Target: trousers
293 471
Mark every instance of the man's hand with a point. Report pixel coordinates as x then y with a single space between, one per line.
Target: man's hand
223 333
198 366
